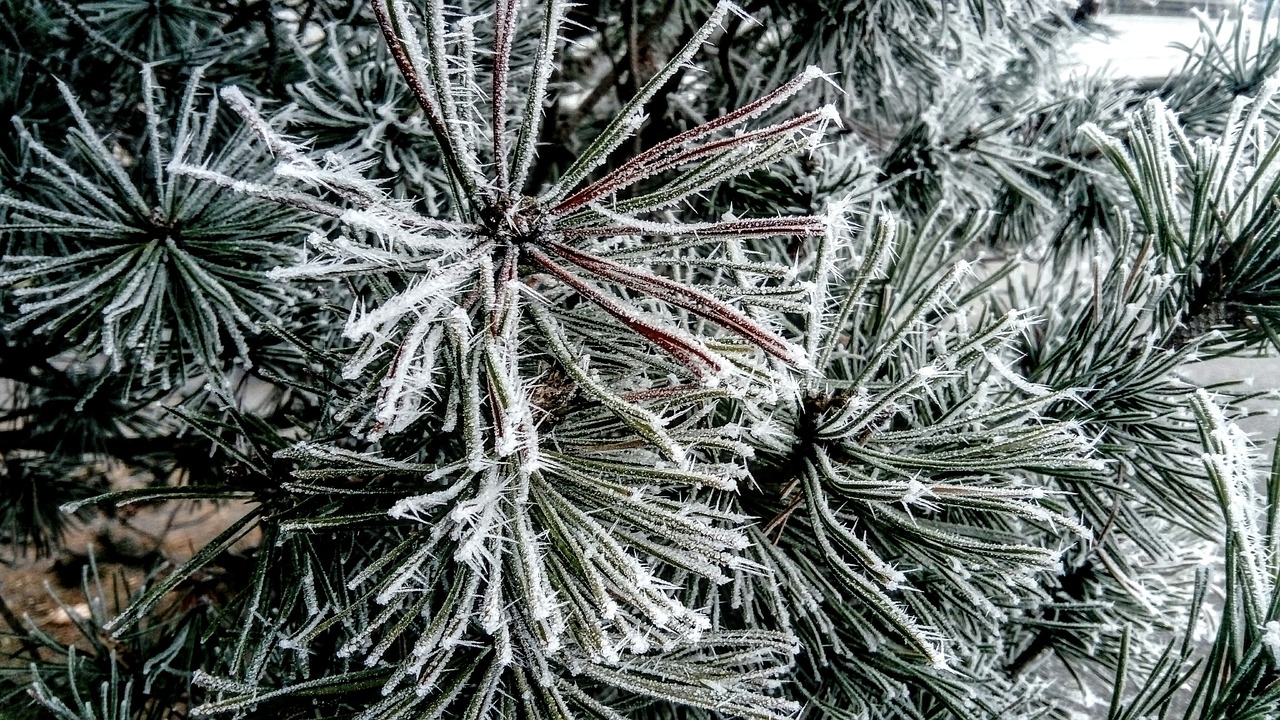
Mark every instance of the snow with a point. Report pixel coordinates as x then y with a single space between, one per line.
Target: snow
1139 46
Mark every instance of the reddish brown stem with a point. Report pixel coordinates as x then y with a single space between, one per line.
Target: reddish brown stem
656 159
695 358
434 118
682 296
751 227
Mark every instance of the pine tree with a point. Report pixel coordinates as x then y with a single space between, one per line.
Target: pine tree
638 360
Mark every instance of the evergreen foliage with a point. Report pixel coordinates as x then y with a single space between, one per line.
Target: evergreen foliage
637 360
